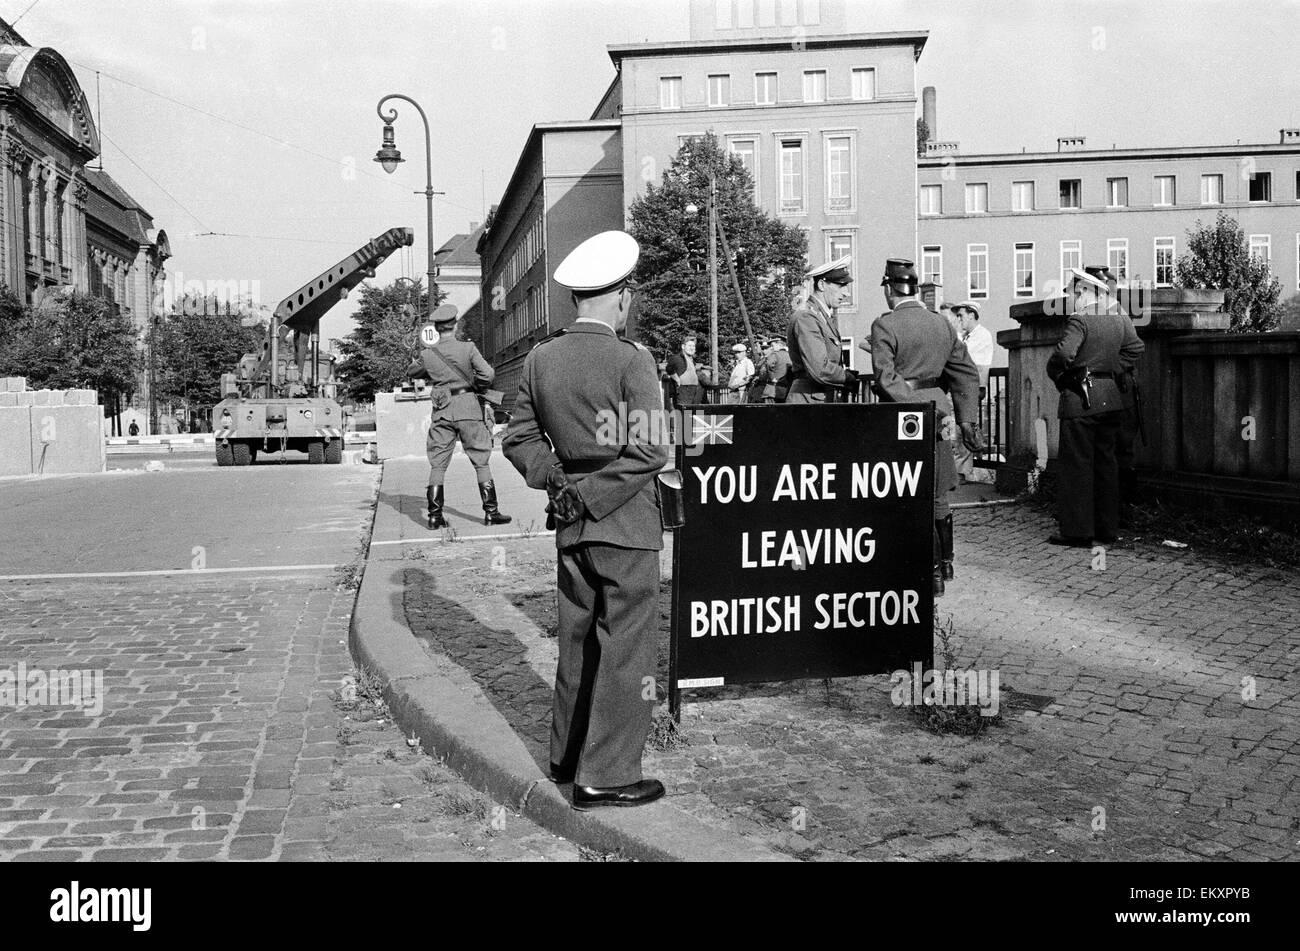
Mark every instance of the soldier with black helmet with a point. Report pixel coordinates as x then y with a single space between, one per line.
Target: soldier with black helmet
918 357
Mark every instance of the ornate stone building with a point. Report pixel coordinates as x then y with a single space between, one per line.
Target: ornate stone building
62 223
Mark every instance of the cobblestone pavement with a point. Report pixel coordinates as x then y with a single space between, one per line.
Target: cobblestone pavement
227 733
1125 732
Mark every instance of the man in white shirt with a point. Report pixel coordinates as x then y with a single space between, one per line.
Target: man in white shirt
742 371
979 343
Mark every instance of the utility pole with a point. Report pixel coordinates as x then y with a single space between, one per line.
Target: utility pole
713 274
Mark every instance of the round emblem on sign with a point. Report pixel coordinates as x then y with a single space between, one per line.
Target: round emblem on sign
428 335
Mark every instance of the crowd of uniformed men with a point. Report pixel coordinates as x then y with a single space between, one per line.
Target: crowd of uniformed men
604 501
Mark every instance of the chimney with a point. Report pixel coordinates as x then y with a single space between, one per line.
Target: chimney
1070 143
1290 137
928 113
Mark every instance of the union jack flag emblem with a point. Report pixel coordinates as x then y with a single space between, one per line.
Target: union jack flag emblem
711 430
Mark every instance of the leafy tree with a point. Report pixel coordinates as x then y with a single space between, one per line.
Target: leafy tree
377 353
196 343
71 341
1290 313
922 137
1218 256
672 273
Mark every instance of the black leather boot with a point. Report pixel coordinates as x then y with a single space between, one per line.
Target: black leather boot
491 514
434 495
944 528
938 563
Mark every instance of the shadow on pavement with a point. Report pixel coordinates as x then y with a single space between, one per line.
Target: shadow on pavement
494 658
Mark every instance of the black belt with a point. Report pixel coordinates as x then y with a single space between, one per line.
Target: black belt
583 466
927 384
457 390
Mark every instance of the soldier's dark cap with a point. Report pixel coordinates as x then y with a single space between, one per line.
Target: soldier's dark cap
1101 271
445 316
900 271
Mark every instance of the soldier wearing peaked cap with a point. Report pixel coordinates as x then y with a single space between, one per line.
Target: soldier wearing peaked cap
918 357
813 337
1098 351
457 372
609 532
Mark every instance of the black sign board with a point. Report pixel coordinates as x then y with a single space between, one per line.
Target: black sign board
808 544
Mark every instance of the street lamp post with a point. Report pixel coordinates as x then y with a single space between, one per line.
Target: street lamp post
389 158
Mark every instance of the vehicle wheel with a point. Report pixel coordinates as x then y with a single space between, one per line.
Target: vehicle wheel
224 455
243 453
334 452
316 452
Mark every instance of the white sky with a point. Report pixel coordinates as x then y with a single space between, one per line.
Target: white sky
1010 73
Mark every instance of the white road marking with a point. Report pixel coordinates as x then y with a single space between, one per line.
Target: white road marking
462 538
167 571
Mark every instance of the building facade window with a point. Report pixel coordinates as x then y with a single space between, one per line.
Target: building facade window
719 90
1261 186
814 85
931 199
977 198
1071 257
1165 191
838 244
1117 257
977 270
765 89
1022 196
746 149
840 165
1117 193
864 84
1164 262
793 192
1024 269
1261 247
670 92
1071 193
932 264
1211 189
1297 185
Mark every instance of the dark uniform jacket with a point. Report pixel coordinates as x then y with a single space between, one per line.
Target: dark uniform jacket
567 382
912 346
461 355
813 342
1106 344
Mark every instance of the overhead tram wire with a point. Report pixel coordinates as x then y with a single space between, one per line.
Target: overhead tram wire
25 12
258 132
103 135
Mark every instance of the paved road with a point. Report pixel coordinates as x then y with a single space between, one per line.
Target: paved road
1150 709
228 727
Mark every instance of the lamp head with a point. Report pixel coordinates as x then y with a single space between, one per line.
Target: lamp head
388 156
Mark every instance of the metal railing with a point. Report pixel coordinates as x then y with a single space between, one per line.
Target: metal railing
992 410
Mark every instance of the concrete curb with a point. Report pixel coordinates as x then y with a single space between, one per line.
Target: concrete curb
438 703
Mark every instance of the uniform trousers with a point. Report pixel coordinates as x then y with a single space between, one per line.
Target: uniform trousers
608 639
474 436
1088 483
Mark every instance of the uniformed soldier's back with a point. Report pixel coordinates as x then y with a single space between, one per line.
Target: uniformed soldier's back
576 376
925 339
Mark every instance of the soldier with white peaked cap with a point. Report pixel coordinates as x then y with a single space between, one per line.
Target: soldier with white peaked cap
813 336
609 533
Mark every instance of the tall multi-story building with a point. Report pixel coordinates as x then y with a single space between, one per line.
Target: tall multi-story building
825 122
1003 228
